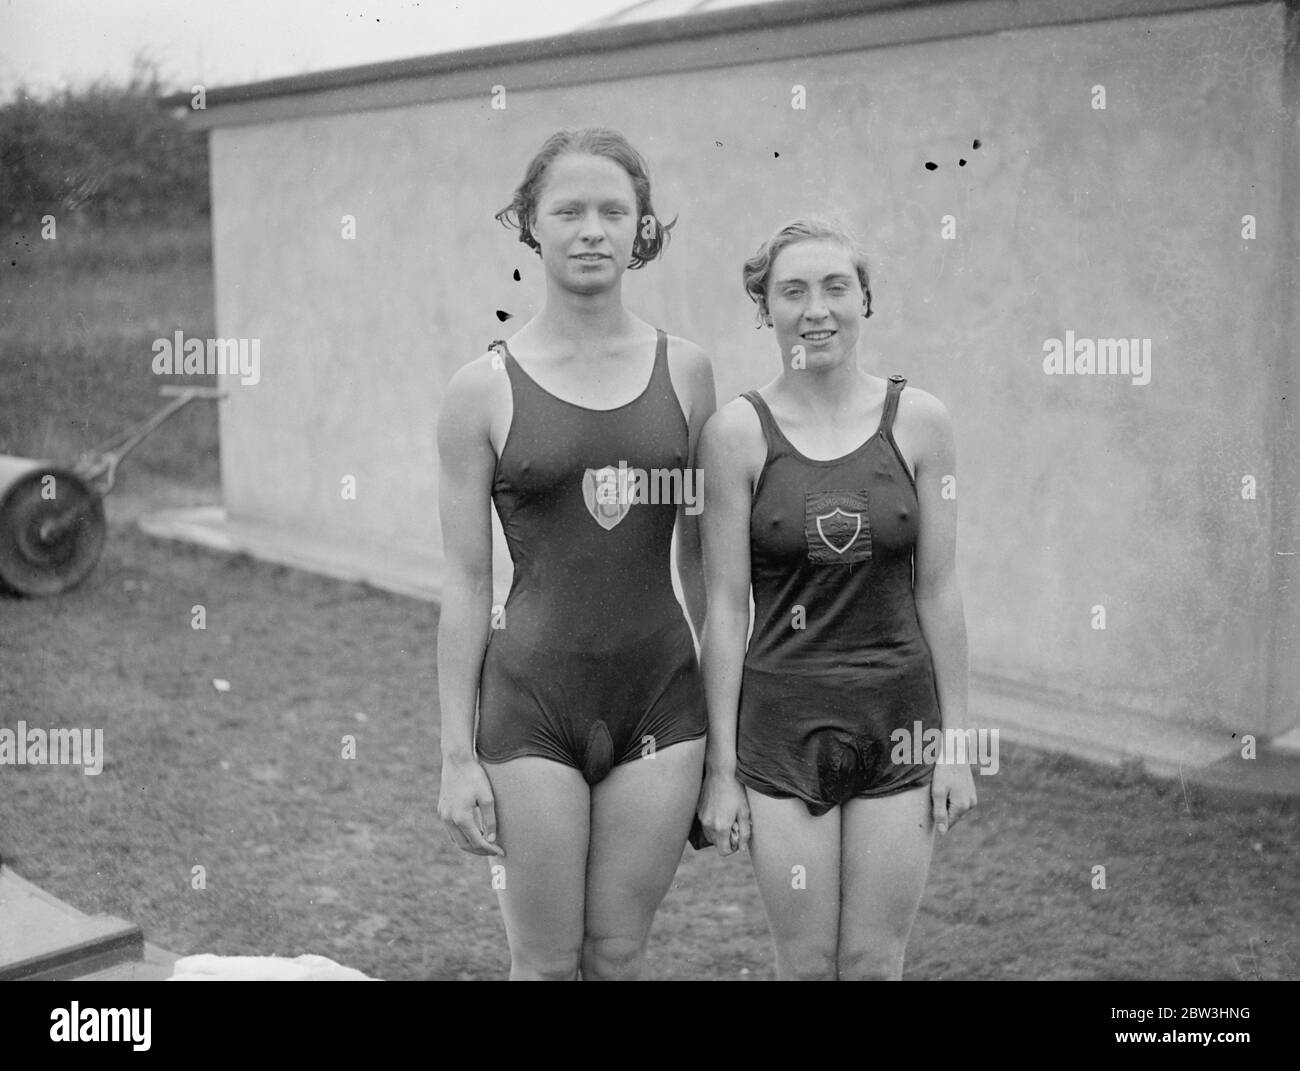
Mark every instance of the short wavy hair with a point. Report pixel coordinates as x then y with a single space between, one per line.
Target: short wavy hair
758 268
591 141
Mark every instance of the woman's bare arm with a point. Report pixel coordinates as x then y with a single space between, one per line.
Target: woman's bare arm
730 449
938 595
692 376
467 462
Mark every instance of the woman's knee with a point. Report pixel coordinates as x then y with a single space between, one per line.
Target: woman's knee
612 958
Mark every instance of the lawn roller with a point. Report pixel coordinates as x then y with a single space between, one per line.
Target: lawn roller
52 516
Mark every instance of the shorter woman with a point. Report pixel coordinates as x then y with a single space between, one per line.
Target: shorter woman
825 497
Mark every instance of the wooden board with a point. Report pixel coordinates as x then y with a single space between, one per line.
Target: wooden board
42 938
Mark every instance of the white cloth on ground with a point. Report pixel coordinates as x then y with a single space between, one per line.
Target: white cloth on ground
305 968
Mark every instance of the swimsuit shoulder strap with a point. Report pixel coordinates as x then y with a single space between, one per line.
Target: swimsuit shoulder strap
660 391
660 380
527 393
506 358
777 444
896 385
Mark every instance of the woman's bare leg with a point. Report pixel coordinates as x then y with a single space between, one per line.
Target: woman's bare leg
796 861
640 815
542 810
885 859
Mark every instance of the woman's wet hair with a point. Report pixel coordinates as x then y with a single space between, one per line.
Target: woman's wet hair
589 141
758 268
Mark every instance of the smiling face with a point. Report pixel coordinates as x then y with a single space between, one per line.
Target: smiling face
586 222
815 300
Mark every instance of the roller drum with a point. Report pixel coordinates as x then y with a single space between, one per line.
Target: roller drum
52 527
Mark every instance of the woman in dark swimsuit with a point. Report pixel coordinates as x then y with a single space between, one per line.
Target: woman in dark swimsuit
825 496
583 774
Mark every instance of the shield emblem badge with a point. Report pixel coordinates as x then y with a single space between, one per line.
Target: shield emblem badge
850 523
605 493
837 527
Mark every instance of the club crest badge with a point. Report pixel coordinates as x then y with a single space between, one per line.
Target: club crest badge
837 527
838 521
607 494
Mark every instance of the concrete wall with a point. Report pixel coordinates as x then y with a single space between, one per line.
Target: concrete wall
1123 222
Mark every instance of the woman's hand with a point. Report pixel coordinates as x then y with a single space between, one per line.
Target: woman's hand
467 807
952 793
724 812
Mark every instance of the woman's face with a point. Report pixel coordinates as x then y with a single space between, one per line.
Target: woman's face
815 301
586 222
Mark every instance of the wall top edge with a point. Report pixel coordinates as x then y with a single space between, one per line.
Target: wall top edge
989 16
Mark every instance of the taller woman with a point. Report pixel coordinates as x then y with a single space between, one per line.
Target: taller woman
585 769
826 495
